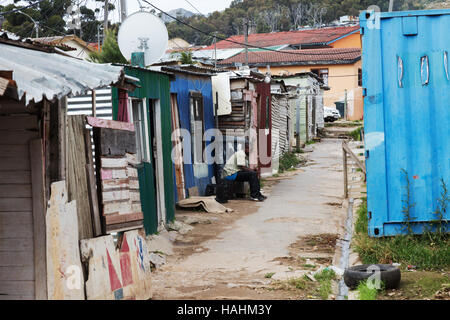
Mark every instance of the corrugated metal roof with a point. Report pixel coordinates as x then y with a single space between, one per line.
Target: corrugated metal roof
305 57
50 75
310 36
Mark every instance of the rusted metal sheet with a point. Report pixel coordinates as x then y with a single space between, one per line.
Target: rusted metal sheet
110 124
117 274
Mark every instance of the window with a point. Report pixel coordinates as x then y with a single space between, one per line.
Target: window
139 125
359 77
323 73
197 126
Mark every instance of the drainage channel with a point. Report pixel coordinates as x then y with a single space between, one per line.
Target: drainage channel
343 264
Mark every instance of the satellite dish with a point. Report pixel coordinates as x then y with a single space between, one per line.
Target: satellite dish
143 32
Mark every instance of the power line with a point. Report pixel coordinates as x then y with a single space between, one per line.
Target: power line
233 41
193 6
22 8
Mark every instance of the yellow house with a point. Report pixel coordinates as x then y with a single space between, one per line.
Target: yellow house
332 53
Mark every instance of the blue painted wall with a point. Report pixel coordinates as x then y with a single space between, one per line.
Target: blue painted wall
182 86
406 118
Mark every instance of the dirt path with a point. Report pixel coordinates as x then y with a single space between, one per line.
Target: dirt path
229 255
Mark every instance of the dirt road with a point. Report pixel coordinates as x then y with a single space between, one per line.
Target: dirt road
229 256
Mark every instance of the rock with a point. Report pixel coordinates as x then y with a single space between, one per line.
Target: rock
174 236
310 277
198 220
179 226
160 243
286 275
157 260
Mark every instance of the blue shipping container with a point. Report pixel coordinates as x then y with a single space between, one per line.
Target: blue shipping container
406 80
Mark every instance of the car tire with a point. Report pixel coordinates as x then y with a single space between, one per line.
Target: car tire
389 275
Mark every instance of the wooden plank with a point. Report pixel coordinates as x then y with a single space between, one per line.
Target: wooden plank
63 250
15 177
16 218
16 297
14 151
8 137
18 122
16 273
16 245
116 195
124 226
16 259
16 287
92 188
115 184
16 231
77 180
353 156
122 218
14 163
16 204
110 124
113 142
116 207
113 163
39 224
15 191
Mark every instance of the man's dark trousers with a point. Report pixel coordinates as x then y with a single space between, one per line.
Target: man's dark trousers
252 178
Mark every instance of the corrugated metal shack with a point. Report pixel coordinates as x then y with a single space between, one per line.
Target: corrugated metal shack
192 110
406 120
280 122
306 105
149 108
249 115
38 241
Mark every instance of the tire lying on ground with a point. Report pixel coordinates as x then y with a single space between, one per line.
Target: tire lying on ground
389 275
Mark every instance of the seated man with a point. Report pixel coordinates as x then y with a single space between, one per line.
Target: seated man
236 169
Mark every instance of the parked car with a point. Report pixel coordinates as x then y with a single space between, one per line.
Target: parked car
330 114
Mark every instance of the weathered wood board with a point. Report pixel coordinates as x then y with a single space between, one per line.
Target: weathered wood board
117 274
65 280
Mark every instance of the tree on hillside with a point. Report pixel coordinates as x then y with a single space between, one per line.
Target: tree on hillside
110 52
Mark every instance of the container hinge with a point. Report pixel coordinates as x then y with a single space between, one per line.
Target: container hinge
366 154
364 92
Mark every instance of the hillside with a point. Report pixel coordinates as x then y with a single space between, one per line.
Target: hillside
281 15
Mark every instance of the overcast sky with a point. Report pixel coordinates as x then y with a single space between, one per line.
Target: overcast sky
204 6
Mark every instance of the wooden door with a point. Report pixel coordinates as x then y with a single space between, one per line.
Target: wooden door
18 172
178 161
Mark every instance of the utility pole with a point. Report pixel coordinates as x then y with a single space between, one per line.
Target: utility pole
105 21
123 10
246 40
391 5
215 51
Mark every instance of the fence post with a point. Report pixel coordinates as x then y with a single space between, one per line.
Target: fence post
344 160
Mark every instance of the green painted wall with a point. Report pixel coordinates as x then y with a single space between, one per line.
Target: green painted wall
154 85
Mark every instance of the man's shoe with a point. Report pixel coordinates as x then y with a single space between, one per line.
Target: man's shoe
258 198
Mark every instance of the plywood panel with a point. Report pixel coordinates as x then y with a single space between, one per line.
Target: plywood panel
16 273
17 287
15 177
